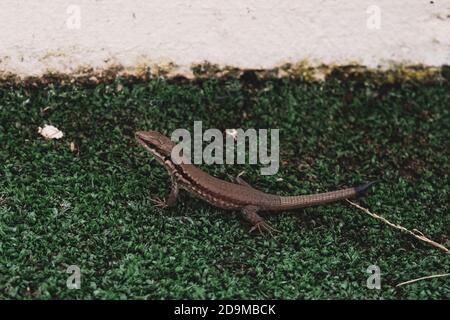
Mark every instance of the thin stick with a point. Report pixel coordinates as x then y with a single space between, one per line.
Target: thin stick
415 233
423 278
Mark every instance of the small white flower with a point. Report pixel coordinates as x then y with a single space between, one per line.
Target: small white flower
231 132
50 132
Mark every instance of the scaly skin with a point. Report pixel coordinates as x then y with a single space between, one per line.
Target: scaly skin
227 195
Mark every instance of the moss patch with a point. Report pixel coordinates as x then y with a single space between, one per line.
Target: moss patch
91 208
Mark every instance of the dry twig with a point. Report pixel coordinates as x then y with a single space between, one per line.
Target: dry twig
415 233
423 278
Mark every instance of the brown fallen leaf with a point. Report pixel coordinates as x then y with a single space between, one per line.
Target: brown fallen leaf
73 147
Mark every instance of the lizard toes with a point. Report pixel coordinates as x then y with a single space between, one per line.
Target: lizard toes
159 203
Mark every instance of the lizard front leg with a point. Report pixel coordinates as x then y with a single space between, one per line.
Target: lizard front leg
258 223
171 200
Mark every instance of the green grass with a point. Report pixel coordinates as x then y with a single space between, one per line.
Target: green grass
92 208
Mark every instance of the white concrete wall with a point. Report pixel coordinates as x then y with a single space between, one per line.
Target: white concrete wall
38 36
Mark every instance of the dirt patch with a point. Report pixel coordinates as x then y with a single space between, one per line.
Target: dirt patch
301 70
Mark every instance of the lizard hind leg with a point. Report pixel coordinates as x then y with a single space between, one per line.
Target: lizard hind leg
242 182
258 223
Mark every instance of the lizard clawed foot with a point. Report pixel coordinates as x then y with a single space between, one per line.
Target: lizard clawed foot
263 227
159 203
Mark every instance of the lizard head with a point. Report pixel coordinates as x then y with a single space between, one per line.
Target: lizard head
156 143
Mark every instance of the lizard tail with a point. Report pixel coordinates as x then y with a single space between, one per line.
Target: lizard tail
362 189
294 202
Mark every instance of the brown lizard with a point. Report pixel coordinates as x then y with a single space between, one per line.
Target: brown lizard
227 195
